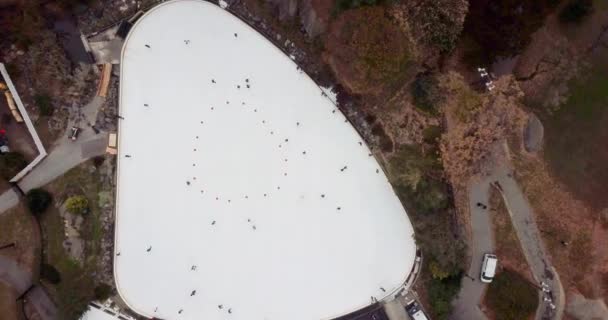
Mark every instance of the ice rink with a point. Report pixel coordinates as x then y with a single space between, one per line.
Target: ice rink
243 192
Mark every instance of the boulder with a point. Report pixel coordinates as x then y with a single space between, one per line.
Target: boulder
533 134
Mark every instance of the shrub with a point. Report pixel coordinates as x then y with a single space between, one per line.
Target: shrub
511 296
103 292
440 22
415 176
575 11
49 273
38 200
431 134
77 204
343 5
43 102
426 93
11 163
441 293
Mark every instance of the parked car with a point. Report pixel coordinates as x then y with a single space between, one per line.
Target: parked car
488 267
415 312
74 131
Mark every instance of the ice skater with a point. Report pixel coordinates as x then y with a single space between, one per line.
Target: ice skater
193 293
149 249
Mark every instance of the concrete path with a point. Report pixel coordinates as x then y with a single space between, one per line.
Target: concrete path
8 200
40 300
522 217
65 155
525 227
63 158
12 274
466 305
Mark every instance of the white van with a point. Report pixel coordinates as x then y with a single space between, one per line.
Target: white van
488 267
415 312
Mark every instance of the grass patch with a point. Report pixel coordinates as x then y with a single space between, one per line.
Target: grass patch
77 286
511 296
576 136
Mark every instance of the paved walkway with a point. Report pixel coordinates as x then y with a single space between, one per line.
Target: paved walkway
466 305
12 274
63 158
40 300
525 227
8 200
65 155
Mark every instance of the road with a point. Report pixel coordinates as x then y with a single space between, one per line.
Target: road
536 255
466 304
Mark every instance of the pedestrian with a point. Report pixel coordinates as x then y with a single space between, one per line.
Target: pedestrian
149 249
193 293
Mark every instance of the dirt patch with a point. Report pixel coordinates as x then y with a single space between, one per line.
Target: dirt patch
586 309
19 227
8 305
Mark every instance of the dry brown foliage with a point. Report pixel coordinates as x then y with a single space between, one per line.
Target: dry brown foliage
475 123
367 50
560 217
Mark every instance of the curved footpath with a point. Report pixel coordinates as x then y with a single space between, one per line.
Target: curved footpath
525 227
466 305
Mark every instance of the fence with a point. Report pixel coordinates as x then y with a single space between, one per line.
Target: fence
28 123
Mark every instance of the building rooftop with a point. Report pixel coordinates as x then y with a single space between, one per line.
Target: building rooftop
243 192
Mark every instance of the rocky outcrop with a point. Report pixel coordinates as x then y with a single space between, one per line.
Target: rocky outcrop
314 15
533 134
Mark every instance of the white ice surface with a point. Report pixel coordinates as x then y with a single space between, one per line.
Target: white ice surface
242 152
